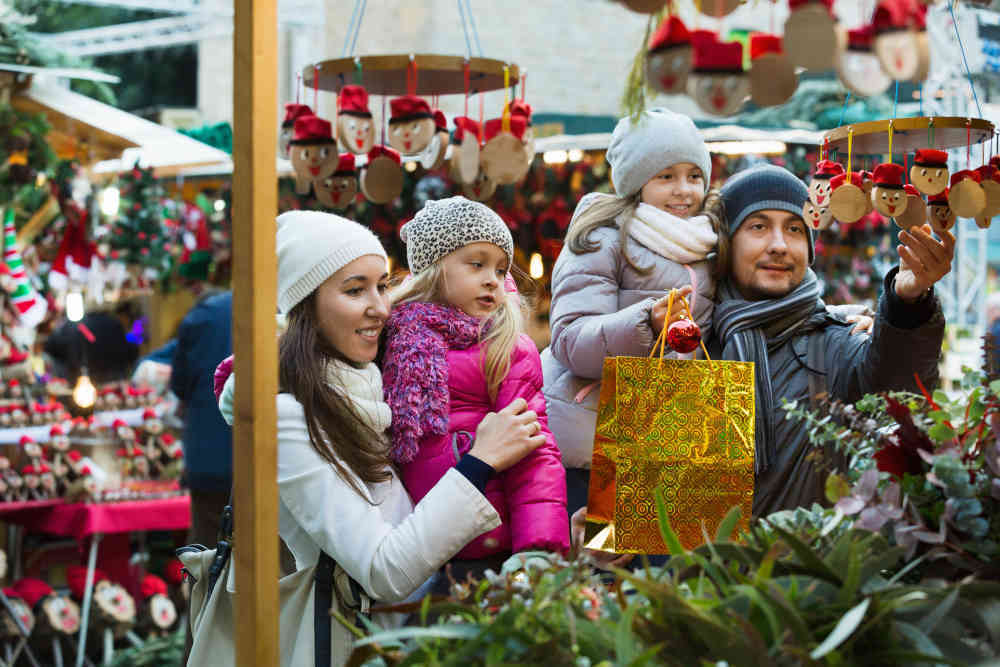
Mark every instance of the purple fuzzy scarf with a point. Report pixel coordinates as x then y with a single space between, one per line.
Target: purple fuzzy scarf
415 370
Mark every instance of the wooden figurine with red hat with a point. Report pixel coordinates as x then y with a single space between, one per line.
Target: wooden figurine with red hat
848 200
157 614
56 616
817 217
481 189
355 128
433 156
820 188
47 482
465 152
813 37
382 176
989 180
85 488
915 214
897 43
966 197
888 196
939 212
411 124
60 444
502 157
180 589
858 67
339 188
313 152
9 630
32 482
523 109
717 83
669 56
772 76
293 112
929 172
112 609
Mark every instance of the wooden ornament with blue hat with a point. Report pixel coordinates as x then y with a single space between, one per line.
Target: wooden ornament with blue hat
669 57
915 214
929 172
313 152
382 177
718 83
966 197
888 196
411 124
339 188
293 112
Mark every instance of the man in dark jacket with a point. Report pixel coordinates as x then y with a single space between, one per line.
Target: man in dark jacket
203 340
770 312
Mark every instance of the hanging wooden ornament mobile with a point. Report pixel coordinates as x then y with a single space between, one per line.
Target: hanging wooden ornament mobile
520 108
939 212
466 139
989 180
433 156
482 188
820 187
915 214
293 111
669 57
966 196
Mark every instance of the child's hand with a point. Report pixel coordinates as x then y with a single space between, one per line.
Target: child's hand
658 315
863 324
602 559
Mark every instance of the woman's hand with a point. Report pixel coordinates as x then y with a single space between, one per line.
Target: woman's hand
658 315
503 438
602 559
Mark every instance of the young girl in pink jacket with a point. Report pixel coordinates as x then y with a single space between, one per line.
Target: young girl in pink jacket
455 352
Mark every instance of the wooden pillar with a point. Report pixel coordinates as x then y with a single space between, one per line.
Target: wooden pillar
255 205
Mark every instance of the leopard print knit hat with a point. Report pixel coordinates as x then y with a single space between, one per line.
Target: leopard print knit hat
443 226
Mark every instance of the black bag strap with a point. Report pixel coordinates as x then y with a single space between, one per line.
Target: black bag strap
322 641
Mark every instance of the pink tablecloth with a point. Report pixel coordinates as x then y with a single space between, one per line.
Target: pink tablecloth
81 520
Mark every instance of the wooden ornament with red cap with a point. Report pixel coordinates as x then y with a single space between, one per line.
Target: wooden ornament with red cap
939 212
897 24
465 151
669 57
717 83
966 197
8 628
411 124
355 127
848 199
112 609
858 67
929 172
481 189
718 8
817 217
989 181
382 177
339 188
55 615
813 38
433 156
502 157
293 112
157 613
819 186
888 196
523 109
915 213
772 76
313 152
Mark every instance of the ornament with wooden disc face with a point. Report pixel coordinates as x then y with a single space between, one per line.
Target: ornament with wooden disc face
669 57
923 57
888 196
916 211
939 213
989 180
717 83
819 187
772 76
382 177
114 602
848 200
966 197
867 183
481 189
8 629
433 156
313 152
817 217
523 109
465 151
355 127
411 124
503 157
339 189
812 37
929 172
859 68
287 133
897 42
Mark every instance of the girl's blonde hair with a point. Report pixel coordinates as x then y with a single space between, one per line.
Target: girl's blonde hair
606 211
498 333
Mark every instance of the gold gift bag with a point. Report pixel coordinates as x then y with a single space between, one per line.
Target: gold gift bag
685 426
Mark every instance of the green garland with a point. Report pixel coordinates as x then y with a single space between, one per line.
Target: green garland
23 136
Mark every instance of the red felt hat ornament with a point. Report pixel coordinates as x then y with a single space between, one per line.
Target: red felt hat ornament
408 107
293 112
152 585
670 33
149 413
440 121
174 571
353 100
32 590
312 130
26 440
76 579
715 57
966 196
463 126
118 423
345 165
930 157
888 175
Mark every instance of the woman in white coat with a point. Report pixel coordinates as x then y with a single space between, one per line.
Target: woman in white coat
338 492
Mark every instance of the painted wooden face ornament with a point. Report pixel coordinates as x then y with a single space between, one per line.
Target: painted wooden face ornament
915 213
848 201
888 196
433 156
480 189
966 197
54 614
313 152
502 157
929 172
812 36
355 128
859 68
411 124
339 188
523 109
292 113
817 217
939 212
382 177
772 76
717 83
158 610
669 57
819 187
989 180
897 24
465 152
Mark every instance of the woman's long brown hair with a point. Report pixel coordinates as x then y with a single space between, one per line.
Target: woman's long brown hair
336 431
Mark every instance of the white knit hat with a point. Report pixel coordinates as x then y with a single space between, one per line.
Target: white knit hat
312 246
445 225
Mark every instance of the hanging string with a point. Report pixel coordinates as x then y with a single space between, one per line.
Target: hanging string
411 76
524 83
357 28
465 77
844 110
482 97
824 150
465 30
961 47
350 28
357 71
896 100
384 117
298 86
475 33
505 117
850 150
931 130
906 167
921 112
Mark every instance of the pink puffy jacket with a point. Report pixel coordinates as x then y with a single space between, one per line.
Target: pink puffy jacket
530 496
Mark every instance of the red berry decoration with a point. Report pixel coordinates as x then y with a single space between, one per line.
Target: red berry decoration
683 336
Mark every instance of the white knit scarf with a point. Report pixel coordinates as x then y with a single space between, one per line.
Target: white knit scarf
363 387
682 241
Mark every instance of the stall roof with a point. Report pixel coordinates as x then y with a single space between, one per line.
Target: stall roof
113 138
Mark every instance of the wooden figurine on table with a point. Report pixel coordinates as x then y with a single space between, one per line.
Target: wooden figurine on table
10 633
32 482
57 618
157 613
123 432
113 609
18 416
32 450
5 419
59 442
47 482
14 389
84 489
14 485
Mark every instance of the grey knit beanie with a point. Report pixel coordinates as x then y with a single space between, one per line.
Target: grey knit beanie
443 226
661 138
312 246
764 187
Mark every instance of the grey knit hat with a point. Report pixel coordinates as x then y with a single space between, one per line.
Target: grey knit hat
445 225
661 138
764 187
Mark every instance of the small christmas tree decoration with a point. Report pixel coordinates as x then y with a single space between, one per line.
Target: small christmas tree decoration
292 113
481 189
915 213
669 57
896 24
31 308
157 613
989 180
772 76
502 158
939 212
820 188
382 176
465 152
339 188
717 83
433 156
812 37
848 202
888 196
313 152
929 172
355 128
817 217
411 124
859 68
966 197
55 615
